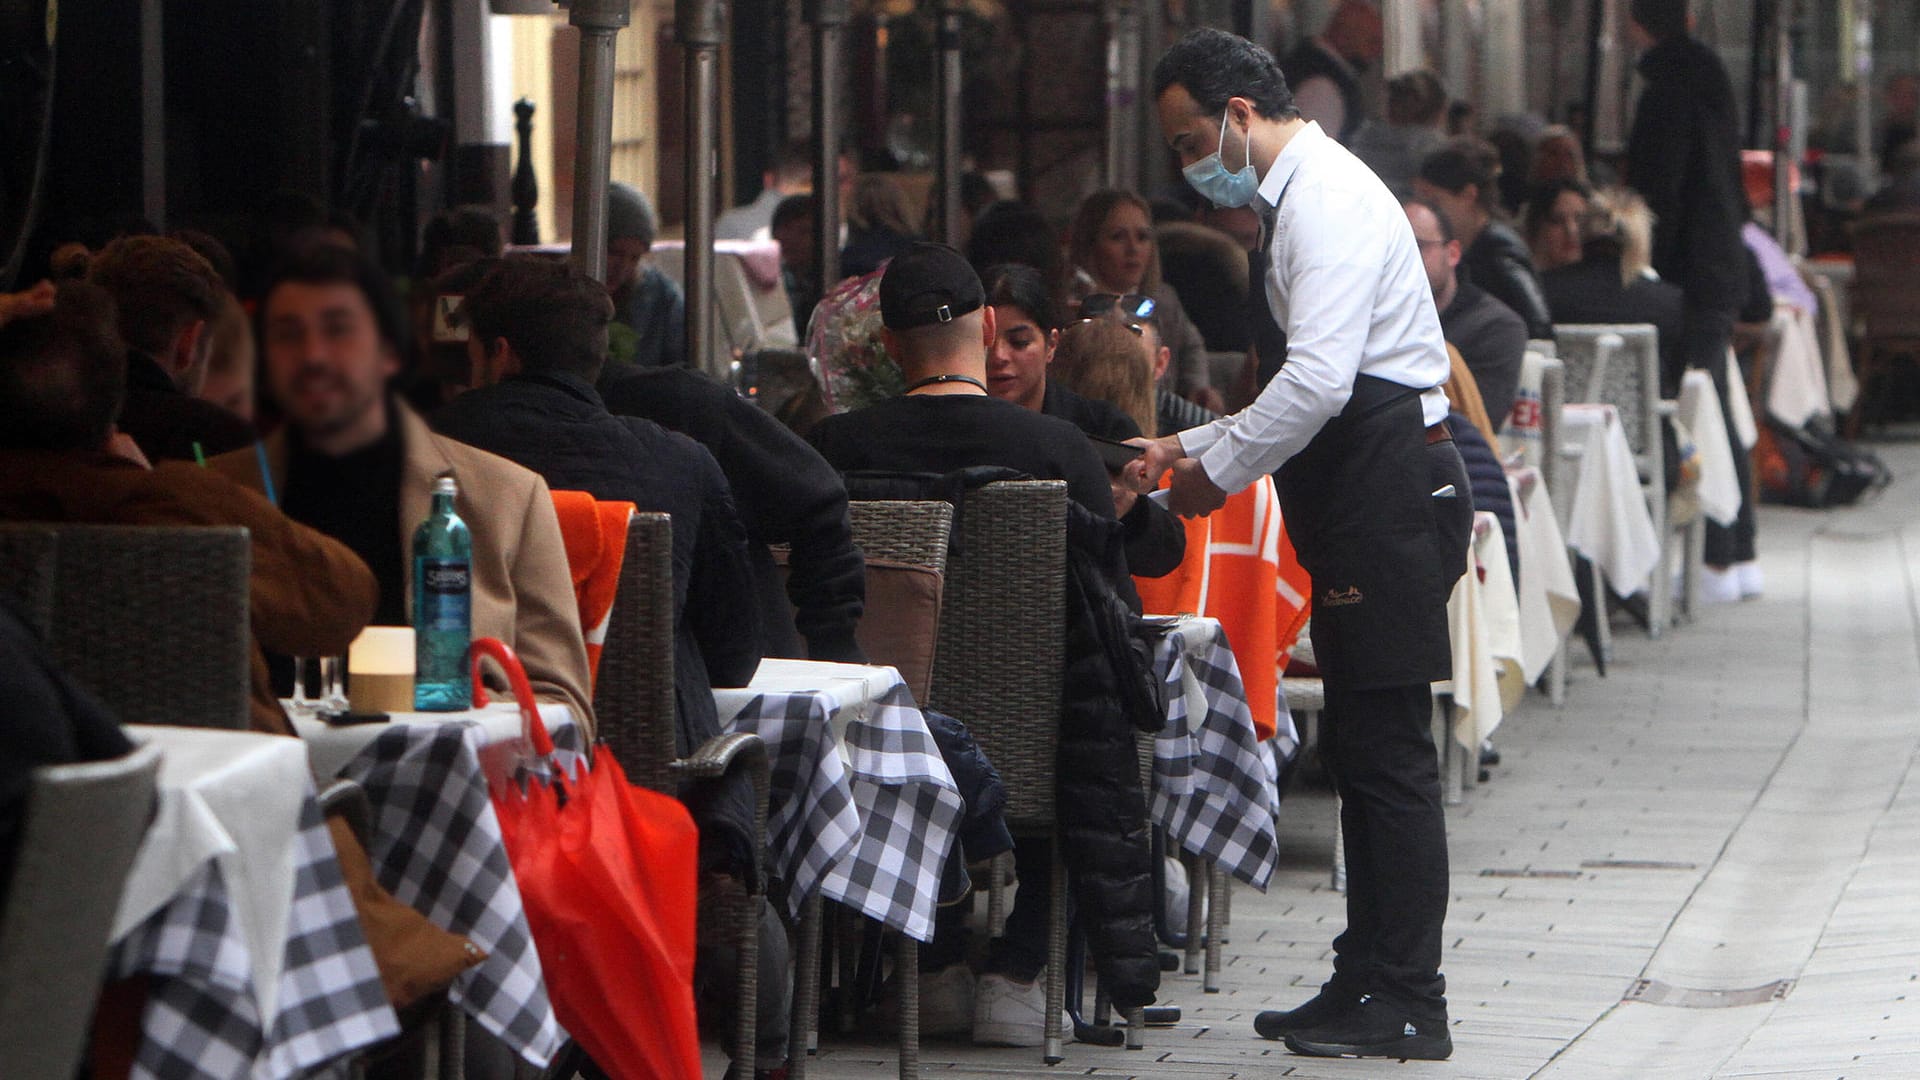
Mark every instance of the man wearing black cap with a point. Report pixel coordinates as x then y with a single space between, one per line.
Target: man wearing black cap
939 327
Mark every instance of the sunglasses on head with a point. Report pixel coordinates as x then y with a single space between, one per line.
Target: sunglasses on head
1133 305
1132 327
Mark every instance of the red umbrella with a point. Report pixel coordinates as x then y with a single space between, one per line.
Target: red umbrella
607 872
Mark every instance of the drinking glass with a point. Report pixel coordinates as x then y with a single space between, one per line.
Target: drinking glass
333 685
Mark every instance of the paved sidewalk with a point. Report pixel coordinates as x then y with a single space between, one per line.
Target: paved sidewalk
1732 809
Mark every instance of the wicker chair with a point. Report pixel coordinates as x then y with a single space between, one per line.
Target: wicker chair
634 705
1886 301
152 619
1001 652
1620 366
907 535
80 832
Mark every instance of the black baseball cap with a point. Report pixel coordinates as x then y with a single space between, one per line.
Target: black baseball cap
928 283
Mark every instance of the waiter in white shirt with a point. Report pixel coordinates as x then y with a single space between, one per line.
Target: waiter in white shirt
1375 499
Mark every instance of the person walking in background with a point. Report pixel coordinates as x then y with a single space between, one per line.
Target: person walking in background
1683 157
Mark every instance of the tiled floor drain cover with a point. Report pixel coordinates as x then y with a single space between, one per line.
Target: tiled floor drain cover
1635 864
1655 992
1569 874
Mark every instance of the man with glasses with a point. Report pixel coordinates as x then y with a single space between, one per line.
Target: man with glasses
1376 502
1491 338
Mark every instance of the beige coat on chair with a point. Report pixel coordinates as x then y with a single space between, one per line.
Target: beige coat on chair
522 589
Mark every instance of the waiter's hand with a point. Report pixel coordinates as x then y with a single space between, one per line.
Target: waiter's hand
1192 493
1159 457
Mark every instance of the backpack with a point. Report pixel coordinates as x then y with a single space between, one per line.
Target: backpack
1814 468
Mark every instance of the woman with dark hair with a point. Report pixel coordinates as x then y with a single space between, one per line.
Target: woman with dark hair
1026 335
1113 251
1463 179
1551 218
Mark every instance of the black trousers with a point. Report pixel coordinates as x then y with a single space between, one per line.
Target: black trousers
1704 345
1378 744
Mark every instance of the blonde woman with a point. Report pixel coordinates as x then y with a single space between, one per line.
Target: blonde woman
1114 253
1614 282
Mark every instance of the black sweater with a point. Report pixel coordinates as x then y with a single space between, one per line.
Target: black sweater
786 494
1156 541
557 426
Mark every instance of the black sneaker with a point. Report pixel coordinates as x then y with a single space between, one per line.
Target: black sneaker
1323 1008
1374 1029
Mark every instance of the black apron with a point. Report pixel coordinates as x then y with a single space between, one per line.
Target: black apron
1360 508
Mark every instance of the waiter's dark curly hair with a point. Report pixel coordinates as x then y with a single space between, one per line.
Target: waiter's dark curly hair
1214 65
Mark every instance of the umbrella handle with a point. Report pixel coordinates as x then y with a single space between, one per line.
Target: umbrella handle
502 653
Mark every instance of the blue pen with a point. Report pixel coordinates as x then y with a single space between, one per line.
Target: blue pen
266 473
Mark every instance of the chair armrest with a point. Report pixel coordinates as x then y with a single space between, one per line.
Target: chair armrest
1668 407
349 800
722 755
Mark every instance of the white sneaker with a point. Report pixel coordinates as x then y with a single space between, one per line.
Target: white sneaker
946 1002
1008 1013
1719 586
1752 583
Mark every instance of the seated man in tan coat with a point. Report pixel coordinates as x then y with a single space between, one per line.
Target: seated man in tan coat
63 377
356 463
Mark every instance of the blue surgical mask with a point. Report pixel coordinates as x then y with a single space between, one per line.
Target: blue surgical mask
1222 188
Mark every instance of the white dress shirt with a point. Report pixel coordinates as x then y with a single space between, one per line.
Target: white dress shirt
1346 283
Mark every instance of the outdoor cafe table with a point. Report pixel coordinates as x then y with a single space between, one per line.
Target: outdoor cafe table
1549 597
236 909
862 807
1608 520
436 845
1214 787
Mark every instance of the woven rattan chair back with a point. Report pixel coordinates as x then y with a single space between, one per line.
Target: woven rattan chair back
27 561
912 534
633 692
82 826
154 621
1618 366
1002 635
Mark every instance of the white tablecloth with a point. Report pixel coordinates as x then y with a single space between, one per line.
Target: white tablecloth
1483 616
1699 413
1797 382
1548 595
1608 520
233 797
330 747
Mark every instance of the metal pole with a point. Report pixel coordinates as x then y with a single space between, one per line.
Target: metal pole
829 19
153 116
1863 101
950 121
598 22
701 27
1783 122
1123 94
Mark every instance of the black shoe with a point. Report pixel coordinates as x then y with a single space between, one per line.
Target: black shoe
1375 1030
1323 1008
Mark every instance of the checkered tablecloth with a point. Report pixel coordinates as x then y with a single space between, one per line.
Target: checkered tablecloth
201 1020
437 847
862 806
1213 787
